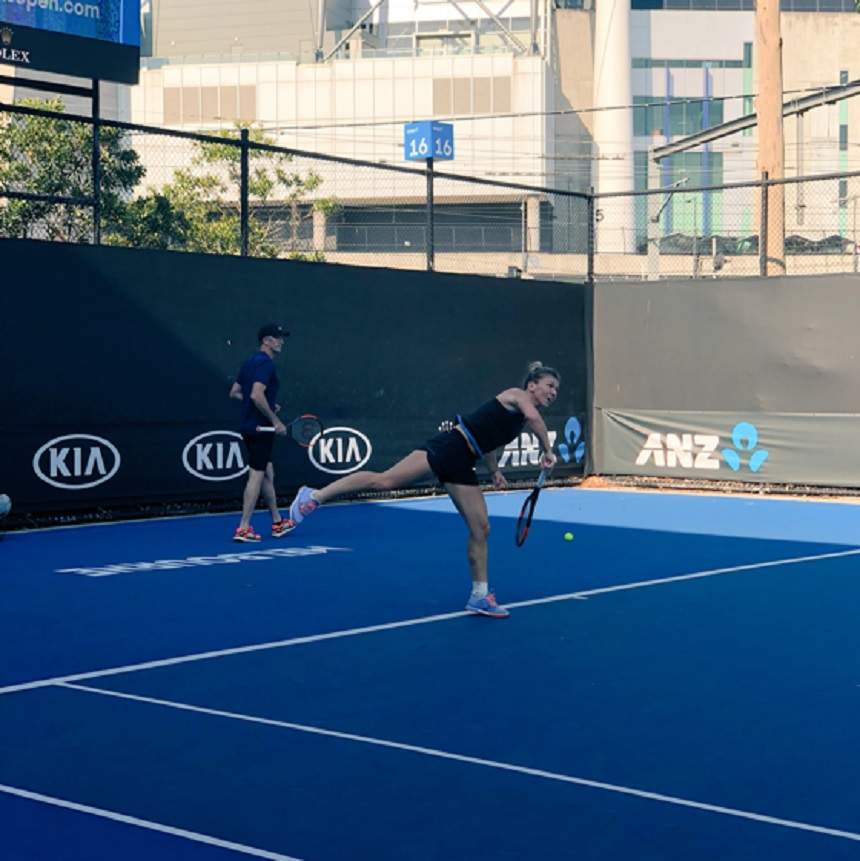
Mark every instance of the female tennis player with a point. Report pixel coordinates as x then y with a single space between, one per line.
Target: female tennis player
451 456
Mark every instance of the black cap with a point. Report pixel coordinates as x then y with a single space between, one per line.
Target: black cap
272 330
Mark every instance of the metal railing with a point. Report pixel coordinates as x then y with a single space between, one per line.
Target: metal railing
82 179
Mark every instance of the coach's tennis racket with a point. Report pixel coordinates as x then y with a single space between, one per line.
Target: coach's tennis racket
524 521
304 429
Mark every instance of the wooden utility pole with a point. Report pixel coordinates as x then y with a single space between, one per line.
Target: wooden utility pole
771 148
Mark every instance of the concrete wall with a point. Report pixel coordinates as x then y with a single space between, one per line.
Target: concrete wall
188 27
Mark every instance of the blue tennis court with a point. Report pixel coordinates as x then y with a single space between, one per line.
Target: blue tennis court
681 681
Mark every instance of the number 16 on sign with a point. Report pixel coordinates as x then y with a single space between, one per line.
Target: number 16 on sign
428 140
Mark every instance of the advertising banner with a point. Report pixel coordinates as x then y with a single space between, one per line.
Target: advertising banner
117 373
741 379
85 38
781 448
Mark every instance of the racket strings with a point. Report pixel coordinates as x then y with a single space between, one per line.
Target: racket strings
306 429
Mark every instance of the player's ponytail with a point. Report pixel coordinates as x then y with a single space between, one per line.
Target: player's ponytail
537 370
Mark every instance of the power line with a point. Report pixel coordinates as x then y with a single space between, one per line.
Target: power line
672 100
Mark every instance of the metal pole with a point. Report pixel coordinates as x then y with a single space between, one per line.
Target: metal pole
762 229
855 234
524 265
800 202
590 247
243 192
97 164
695 238
430 239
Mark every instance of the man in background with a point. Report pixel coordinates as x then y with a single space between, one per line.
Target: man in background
257 387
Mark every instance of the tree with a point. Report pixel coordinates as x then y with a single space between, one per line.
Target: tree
206 195
54 157
197 210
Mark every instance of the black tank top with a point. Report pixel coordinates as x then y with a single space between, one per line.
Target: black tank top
492 425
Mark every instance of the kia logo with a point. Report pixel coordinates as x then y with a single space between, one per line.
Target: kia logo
340 450
76 461
215 456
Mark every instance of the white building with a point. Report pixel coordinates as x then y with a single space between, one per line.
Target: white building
528 87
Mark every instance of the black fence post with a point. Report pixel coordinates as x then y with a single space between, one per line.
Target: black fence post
97 164
590 237
430 241
243 191
762 230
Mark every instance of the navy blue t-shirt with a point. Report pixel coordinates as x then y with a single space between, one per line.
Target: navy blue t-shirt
258 369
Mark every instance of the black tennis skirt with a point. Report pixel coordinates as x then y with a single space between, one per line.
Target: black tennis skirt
450 458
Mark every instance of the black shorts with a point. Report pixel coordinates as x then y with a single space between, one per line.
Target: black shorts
259 446
450 458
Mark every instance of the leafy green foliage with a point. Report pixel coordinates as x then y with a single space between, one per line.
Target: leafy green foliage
54 157
198 209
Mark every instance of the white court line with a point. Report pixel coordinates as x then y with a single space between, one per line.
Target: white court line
144 823
223 653
487 763
696 575
406 623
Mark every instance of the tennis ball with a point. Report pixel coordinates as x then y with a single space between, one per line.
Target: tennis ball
568 536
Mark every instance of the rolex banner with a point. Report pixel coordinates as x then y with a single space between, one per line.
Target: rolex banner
781 448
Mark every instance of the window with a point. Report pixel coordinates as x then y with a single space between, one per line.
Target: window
191 104
686 117
172 102
462 95
501 95
209 109
651 63
444 43
843 77
483 96
443 100
196 105
247 104
471 96
229 104
843 193
843 138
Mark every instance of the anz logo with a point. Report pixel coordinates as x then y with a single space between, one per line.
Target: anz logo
340 450
524 450
686 450
215 456
77 461
700 451
573 447
745 441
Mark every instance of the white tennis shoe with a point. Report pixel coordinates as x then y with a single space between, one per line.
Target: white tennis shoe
303 505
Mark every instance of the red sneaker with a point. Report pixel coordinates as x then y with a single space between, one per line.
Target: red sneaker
247 534
282 527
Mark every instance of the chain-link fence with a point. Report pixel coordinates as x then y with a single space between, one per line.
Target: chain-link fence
798 226
66 178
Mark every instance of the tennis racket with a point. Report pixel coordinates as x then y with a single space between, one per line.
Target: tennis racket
524 521
304 429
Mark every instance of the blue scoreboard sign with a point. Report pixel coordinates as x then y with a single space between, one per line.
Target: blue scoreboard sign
428 139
